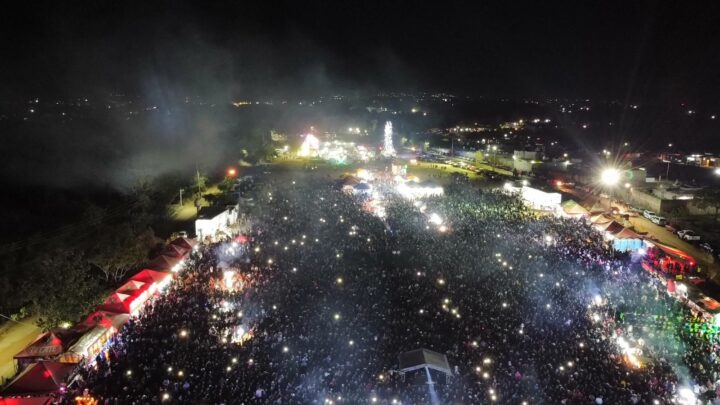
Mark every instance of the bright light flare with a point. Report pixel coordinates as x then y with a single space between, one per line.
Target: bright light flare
229 279
310 146
435 219
686 396
610 176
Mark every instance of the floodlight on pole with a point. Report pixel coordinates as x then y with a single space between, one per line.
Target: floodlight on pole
610 176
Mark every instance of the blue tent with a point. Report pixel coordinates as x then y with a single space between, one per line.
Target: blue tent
627 240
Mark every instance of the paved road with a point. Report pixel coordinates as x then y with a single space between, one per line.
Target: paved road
664 236
13 338
641 224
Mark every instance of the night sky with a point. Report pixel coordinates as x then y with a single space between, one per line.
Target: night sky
637 51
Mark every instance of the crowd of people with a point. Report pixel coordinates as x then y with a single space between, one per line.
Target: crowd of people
527 308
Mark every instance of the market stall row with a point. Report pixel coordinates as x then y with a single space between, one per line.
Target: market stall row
48 364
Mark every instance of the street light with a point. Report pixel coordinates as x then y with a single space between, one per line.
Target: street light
231 172
610 176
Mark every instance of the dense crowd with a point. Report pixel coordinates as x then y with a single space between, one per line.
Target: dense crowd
528 309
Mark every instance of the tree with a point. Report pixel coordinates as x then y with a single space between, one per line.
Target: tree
120 251
199 183
708 198
479 157
257 144
61 287
226 184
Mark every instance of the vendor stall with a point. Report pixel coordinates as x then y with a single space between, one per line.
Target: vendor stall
626 240
41 377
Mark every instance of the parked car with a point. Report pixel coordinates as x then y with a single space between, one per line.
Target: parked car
674 228
706 247
649 214
695 280
658 220
688 235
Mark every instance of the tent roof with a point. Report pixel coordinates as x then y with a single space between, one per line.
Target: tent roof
116 302
627 233
36 400
572 207
613 227
163 262
150 276
175 251
596 207
40 377
674 252
184 243
106 319
48 344
350 180
421 358
600 219
131 286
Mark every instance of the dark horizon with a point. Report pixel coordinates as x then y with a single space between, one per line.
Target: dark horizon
638 52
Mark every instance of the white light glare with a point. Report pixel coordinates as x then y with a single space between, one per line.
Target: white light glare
610 176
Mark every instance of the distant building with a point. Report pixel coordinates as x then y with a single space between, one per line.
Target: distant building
526 154
278 136
215 221
706 160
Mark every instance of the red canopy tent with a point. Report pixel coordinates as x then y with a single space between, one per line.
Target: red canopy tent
41 377
669 259
105 319
175 251
41 400
154 279
132 286
677 253
47 346
117 302
151 276
184 243
163 262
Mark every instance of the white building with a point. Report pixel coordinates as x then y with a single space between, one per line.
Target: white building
537 199
213 221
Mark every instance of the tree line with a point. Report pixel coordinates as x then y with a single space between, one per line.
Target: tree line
61 278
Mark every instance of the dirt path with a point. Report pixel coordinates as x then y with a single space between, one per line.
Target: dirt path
13 338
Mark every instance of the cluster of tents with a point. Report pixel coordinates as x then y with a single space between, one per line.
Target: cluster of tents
622 238
48 363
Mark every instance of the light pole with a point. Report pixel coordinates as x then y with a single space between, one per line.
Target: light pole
494 149
610 177
667 172
181 191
